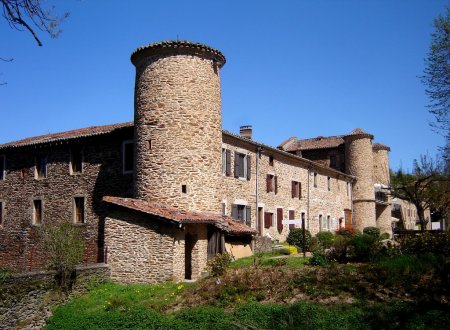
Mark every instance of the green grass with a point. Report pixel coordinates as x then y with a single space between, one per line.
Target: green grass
269 259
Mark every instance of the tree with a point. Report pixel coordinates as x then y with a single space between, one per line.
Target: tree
437 74
427 187
31 16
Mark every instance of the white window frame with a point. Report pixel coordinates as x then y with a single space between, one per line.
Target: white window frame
123 156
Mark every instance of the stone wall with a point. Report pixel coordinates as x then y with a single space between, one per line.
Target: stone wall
26 299
410 214
101 175
178 125
317 200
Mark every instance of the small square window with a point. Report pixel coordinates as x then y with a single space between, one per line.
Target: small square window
78 212
41 167
270 160
37 212
76 160
184 189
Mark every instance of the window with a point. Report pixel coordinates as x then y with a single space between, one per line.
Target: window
315 180
127 157
291 217
270 160
184 189
2 167
78 210
226 162
76 160
320 222
268 219
348 189
224 208
242 213
1 213
41 167
329 183
272 183
296 189
280 220
37 212
328 224
242 165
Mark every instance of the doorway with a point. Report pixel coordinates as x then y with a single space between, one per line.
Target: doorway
189 243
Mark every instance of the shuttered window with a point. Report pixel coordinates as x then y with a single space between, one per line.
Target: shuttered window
296 189
242 213
242 166
226 162
280 220
268 219
272 183
291 217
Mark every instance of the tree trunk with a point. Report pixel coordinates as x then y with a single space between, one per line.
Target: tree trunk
421 214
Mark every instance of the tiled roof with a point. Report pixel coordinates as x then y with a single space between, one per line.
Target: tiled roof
224 223
189 46
69 135
380 146
320 142
361 132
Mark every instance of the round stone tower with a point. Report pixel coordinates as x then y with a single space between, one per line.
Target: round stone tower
382 182
359 163
178 125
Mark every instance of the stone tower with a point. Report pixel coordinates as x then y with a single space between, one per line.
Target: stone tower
359 162
382 181
178 125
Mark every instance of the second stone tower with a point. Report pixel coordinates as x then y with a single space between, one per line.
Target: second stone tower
178 125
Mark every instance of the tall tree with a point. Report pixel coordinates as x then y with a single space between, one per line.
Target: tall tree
437 74
31 16
427 187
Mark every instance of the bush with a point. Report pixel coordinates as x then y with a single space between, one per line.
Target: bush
295 237
64 247
338 251
438 244
319 257
372 231
219 264
346 232
325 239
364 247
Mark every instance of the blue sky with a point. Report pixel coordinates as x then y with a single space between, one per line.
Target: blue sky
294 68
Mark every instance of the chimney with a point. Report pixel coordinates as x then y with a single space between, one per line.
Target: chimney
246 131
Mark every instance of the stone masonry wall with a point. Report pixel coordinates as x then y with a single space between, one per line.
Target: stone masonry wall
26 300
178 127
359 162
101 175
321 200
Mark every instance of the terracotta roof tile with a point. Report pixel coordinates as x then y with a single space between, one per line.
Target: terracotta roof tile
380 146
320 142
224 223
361 132
63 136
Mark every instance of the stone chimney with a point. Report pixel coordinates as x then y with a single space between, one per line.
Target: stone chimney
246 131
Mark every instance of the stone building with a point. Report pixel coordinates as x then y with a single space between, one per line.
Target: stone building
157 197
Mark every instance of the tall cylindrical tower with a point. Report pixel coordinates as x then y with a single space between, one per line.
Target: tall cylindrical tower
359 163
382 183
178 125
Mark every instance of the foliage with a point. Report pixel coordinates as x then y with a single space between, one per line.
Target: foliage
295 237
5 274
64 247
346 232
339 249
372 231
325 238
319 256
437 244
437 73
292 249
31 15
364 247
427 187
219 264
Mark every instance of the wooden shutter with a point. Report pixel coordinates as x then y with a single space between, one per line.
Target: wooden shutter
267 220
248 216
234 211
299 190
249 167
293 189
269 183
275 183
236 164
228 162
280 220
291 217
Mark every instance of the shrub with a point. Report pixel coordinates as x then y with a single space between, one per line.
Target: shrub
438 244
292 249
295 237
372 231
339 248
325 239
64 247
219 264
319 257
346 232
364 247
284 251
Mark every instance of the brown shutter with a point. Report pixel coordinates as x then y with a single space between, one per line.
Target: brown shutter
299 190
267 220
268 183
236 164
228 162
275 183
280 220
293 189
234 211
248 216
249 167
